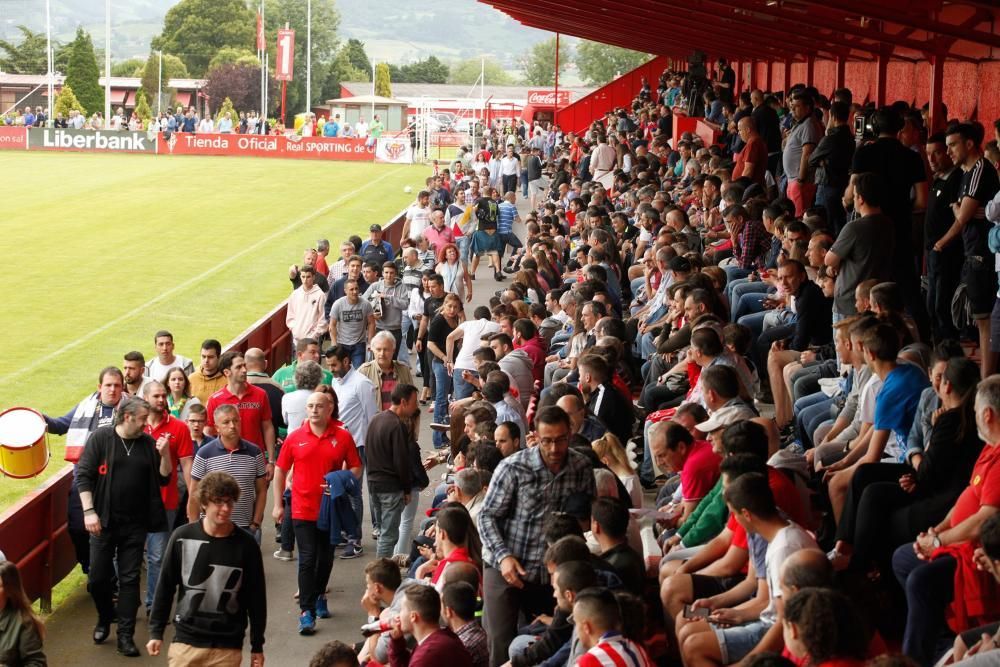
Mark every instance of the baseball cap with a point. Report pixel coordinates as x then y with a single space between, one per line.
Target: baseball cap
725 416
375 228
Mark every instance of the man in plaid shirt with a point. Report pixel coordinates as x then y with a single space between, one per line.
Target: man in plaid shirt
750 242
526 487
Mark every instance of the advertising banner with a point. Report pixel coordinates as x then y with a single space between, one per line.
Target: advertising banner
90 140
286 55
394 149
13 138
548 98
315 148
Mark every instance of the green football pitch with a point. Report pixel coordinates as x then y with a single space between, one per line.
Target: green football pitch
101 251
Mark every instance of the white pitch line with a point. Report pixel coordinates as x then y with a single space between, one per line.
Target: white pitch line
188 283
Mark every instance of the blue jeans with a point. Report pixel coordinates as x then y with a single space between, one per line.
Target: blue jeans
461 388
524 182
442 385
388 507
508 241
358 352
402 351
287 531
734 273
746 304
358 501
406 523
811 411
464 243
156 544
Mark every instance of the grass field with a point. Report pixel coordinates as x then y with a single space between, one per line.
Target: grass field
100 251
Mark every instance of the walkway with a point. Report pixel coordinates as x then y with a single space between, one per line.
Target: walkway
70 626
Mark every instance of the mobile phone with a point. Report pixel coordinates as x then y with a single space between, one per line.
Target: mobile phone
693 613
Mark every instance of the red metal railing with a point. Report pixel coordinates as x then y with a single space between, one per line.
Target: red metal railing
34 532
578 116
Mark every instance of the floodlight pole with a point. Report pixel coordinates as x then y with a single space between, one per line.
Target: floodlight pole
555 102
107 64
373 91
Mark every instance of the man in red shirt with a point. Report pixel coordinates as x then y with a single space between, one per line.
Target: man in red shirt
527 339
321 445
160 424
251 401
420 617
751 162
675 449
926 568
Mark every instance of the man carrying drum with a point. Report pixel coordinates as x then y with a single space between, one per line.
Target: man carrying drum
98 409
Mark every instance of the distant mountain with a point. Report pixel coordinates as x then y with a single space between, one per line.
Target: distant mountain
398 31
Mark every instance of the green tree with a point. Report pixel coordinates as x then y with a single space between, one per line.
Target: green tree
600 63
82 73
325 21
26 57
198 29
539 62
142 109
383 84
233 56
130 67
430 70
341 70
354 49
173 68
467 72
66 101
227 105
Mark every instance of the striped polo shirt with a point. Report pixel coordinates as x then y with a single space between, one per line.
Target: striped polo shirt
245 463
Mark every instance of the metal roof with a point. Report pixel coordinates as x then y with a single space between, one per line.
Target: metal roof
792 30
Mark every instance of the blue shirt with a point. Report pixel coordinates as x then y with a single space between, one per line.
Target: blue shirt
897 404
331 129
505 217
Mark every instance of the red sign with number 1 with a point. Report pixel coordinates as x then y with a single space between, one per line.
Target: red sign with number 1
286 53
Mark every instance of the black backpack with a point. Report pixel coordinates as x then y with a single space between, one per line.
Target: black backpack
487 213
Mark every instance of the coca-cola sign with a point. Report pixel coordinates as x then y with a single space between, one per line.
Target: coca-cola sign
547 98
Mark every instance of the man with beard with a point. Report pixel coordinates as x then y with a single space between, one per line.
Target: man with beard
96 410
208 379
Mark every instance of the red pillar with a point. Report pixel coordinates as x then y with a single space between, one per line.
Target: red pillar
752 79
810 68
937 119
881 75
788 76
841 71
770 75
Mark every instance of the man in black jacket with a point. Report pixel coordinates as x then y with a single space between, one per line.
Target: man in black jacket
832 161
119 477
216 571
390 473
604 401
813 327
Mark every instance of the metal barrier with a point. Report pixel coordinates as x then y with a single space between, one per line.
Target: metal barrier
34 532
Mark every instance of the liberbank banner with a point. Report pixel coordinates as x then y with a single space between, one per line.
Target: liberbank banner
316 148
90 140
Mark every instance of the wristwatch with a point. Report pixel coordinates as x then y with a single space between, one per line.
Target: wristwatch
936 542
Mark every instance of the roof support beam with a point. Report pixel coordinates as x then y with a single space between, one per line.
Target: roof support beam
873 10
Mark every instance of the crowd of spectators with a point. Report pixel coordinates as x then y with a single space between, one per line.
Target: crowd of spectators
724 403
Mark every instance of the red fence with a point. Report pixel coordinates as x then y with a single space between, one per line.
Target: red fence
34 534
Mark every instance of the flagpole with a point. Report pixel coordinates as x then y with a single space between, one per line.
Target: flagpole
107 63
308 55
48 56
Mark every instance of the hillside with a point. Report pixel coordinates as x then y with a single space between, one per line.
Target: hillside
398 32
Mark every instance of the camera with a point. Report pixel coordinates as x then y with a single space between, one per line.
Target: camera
865 126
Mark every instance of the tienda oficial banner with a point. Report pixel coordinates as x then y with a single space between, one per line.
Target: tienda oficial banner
317 148
13 138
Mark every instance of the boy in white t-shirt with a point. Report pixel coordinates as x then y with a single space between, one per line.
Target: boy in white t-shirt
728 637
469 333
